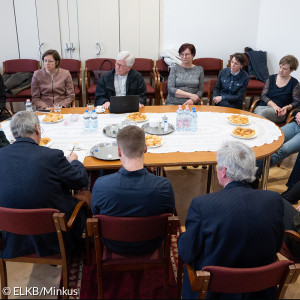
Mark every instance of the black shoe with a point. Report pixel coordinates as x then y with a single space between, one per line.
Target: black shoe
195 167
183 167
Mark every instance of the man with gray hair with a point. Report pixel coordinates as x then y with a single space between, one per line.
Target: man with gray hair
132 191
237 227
34 176
121 81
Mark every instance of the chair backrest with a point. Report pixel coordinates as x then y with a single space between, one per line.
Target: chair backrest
95 63
20 65
210 65
163 91
27 221
72 65
244 280
133 229
144 66
162 68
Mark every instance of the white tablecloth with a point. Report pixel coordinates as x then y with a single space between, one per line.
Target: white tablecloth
213 130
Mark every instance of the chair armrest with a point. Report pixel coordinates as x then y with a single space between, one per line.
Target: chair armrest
254 104
290 114
73 102
292 234
92 227
289 120
67 226
163 101
198 280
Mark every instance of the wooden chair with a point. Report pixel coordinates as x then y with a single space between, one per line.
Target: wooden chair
212 67
90 66
133 229
163 91
19 65
146 67
244 280
74 67
162 74
285 251
36 222
211 85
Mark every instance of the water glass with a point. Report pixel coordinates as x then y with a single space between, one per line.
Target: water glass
90 107
57 108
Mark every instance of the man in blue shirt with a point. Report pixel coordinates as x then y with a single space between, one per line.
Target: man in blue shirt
132 191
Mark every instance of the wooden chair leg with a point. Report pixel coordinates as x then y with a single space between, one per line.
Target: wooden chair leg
179 277
166 285
3 273
65 279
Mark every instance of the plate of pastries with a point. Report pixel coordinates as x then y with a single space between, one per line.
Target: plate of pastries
153 141
238 120
53 118
243 133
45 142
137 117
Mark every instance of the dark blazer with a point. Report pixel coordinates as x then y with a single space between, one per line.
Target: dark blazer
235 227
135 85
37 177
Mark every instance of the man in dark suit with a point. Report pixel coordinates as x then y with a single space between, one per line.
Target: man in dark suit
132 191
33 176
121 81
237 227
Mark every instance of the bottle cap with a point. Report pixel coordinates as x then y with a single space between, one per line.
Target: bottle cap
86 110
93 110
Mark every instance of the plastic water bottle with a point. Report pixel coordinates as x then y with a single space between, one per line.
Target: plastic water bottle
179 118
187 119
165 124
94 121
194 120
86 121
28 105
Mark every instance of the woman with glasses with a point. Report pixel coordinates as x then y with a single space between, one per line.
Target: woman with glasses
232 83
52 85
185 82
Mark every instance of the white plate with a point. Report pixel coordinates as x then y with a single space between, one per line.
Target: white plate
53 122
156 146
237 124
48 144
100 110
244 138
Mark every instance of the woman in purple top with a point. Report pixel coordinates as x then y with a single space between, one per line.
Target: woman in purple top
52 85
281 92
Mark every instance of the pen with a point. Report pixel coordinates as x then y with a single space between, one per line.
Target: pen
72 150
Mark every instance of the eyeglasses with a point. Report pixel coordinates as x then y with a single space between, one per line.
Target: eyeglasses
120 65
184 54
41 129
49 61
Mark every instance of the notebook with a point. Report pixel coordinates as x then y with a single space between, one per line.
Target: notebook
124 104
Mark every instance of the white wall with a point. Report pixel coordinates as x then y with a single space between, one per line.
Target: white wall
278 34
217 28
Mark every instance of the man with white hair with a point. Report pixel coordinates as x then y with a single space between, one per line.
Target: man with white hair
34 176
121 81
237 227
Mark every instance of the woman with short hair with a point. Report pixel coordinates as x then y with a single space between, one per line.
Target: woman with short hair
185 82
52 85
281 92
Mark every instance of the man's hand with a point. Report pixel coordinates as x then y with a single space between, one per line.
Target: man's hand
106 105
72 156
141 105
217 99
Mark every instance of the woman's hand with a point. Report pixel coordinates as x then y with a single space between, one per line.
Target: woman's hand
297 118
189 102
217 99
276 108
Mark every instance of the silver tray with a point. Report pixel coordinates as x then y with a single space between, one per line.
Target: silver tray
157 130
105 151
107 130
